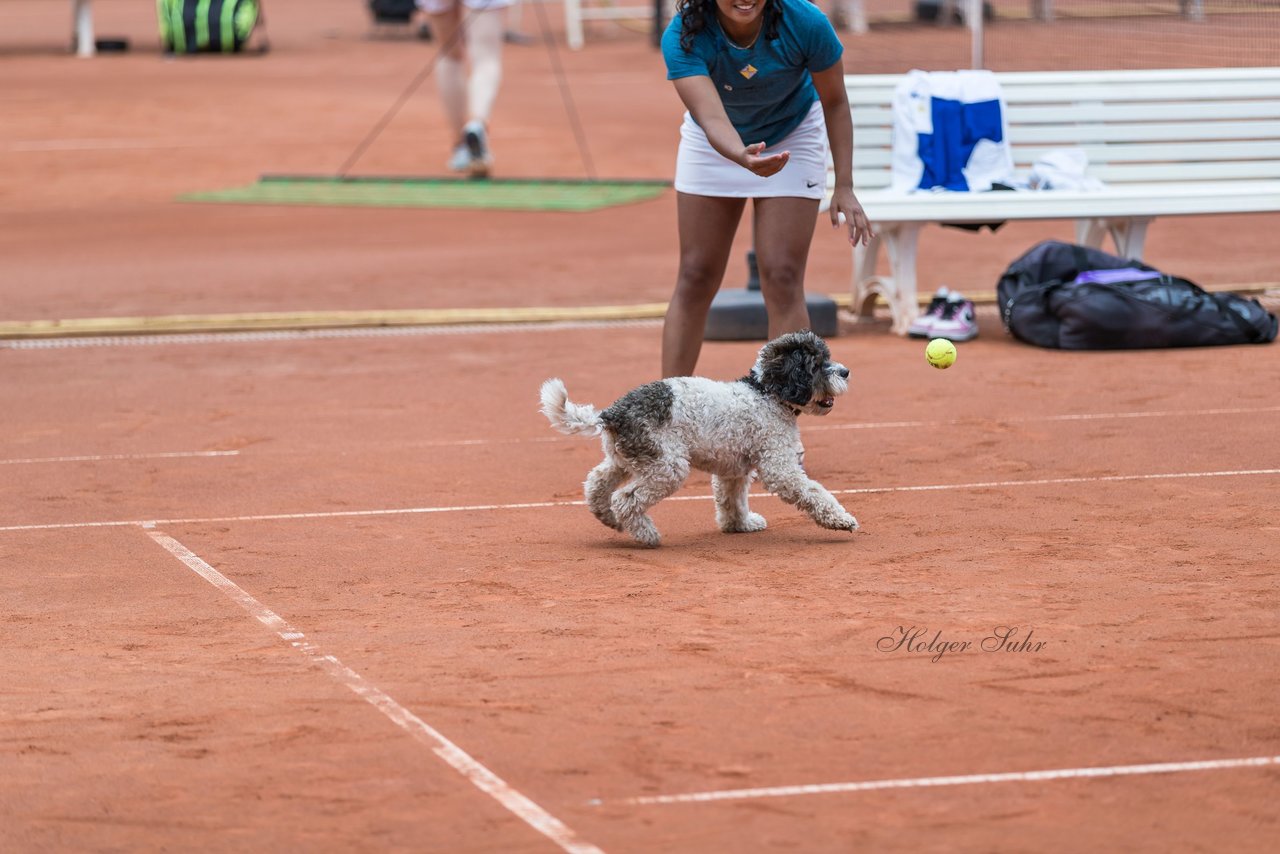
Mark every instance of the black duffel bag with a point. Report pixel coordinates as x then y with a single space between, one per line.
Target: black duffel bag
1055 296
392 11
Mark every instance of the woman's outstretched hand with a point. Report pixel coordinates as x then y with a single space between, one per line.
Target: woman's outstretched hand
763 166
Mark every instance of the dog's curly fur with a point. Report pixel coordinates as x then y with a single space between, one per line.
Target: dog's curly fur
654 434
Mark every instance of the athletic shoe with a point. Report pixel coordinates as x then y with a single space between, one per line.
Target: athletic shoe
477 142
922 326
957 321
460 160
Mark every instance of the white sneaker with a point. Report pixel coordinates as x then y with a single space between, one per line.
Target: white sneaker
957 321
922 326
477 143
460 160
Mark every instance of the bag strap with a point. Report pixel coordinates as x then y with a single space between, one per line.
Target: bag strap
1251 332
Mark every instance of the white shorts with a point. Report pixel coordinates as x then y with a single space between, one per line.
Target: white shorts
703 171
439 7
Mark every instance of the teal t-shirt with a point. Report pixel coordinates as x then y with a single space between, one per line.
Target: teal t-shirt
767 89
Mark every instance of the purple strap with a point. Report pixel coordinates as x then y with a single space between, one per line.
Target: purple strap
1107 277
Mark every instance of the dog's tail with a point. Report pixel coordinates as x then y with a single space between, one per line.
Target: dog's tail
568 417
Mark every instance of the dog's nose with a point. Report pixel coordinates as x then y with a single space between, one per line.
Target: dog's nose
844 373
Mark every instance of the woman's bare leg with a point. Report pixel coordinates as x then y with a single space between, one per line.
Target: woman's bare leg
706 227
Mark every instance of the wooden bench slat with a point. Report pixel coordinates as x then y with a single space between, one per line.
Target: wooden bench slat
1061 114
870 180
1071 113
1128 173
1137 200
1141 153
873 138
1153 132
1042 93
1112 93
870 171
1220 75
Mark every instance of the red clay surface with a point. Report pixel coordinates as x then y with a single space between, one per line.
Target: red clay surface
1121 506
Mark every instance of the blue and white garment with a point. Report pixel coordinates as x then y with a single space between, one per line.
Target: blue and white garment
950 132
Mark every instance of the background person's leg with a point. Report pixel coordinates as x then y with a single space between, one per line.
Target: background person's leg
451 77
783 231
706 226
484 36
484 39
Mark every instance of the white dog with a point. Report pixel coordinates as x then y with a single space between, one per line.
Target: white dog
654 434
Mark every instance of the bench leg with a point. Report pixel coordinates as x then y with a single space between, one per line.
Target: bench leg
865 260
1089 232
898 288
1129 234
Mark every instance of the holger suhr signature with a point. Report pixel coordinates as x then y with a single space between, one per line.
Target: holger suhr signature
919 640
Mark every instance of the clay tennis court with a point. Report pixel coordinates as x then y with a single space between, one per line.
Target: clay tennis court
336 590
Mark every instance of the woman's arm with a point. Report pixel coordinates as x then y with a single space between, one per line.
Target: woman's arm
835 109
704 104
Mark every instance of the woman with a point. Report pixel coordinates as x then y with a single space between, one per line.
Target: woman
764 87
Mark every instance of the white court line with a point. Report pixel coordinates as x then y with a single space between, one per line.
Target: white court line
94 458
458 759
866 425
1023 419
537 505
967 780
892 425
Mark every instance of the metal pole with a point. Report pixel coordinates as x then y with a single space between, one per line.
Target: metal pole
976 26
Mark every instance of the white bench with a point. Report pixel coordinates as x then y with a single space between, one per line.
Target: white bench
1182 142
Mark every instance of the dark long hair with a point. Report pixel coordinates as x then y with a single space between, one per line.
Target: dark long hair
696 14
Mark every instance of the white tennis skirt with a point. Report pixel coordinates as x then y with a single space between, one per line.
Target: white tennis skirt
703 171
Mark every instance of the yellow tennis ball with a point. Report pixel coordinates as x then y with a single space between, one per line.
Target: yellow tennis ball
940 353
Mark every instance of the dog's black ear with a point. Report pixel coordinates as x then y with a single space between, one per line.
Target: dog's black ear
800 375
790 366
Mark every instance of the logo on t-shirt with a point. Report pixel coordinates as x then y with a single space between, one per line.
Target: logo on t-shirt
748 71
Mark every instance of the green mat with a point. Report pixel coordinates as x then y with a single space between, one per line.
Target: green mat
512 195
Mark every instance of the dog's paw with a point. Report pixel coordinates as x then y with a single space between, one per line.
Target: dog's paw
609 520
649 538
839 522
752 523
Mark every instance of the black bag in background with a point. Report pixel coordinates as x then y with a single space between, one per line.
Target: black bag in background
1043 304
392 11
